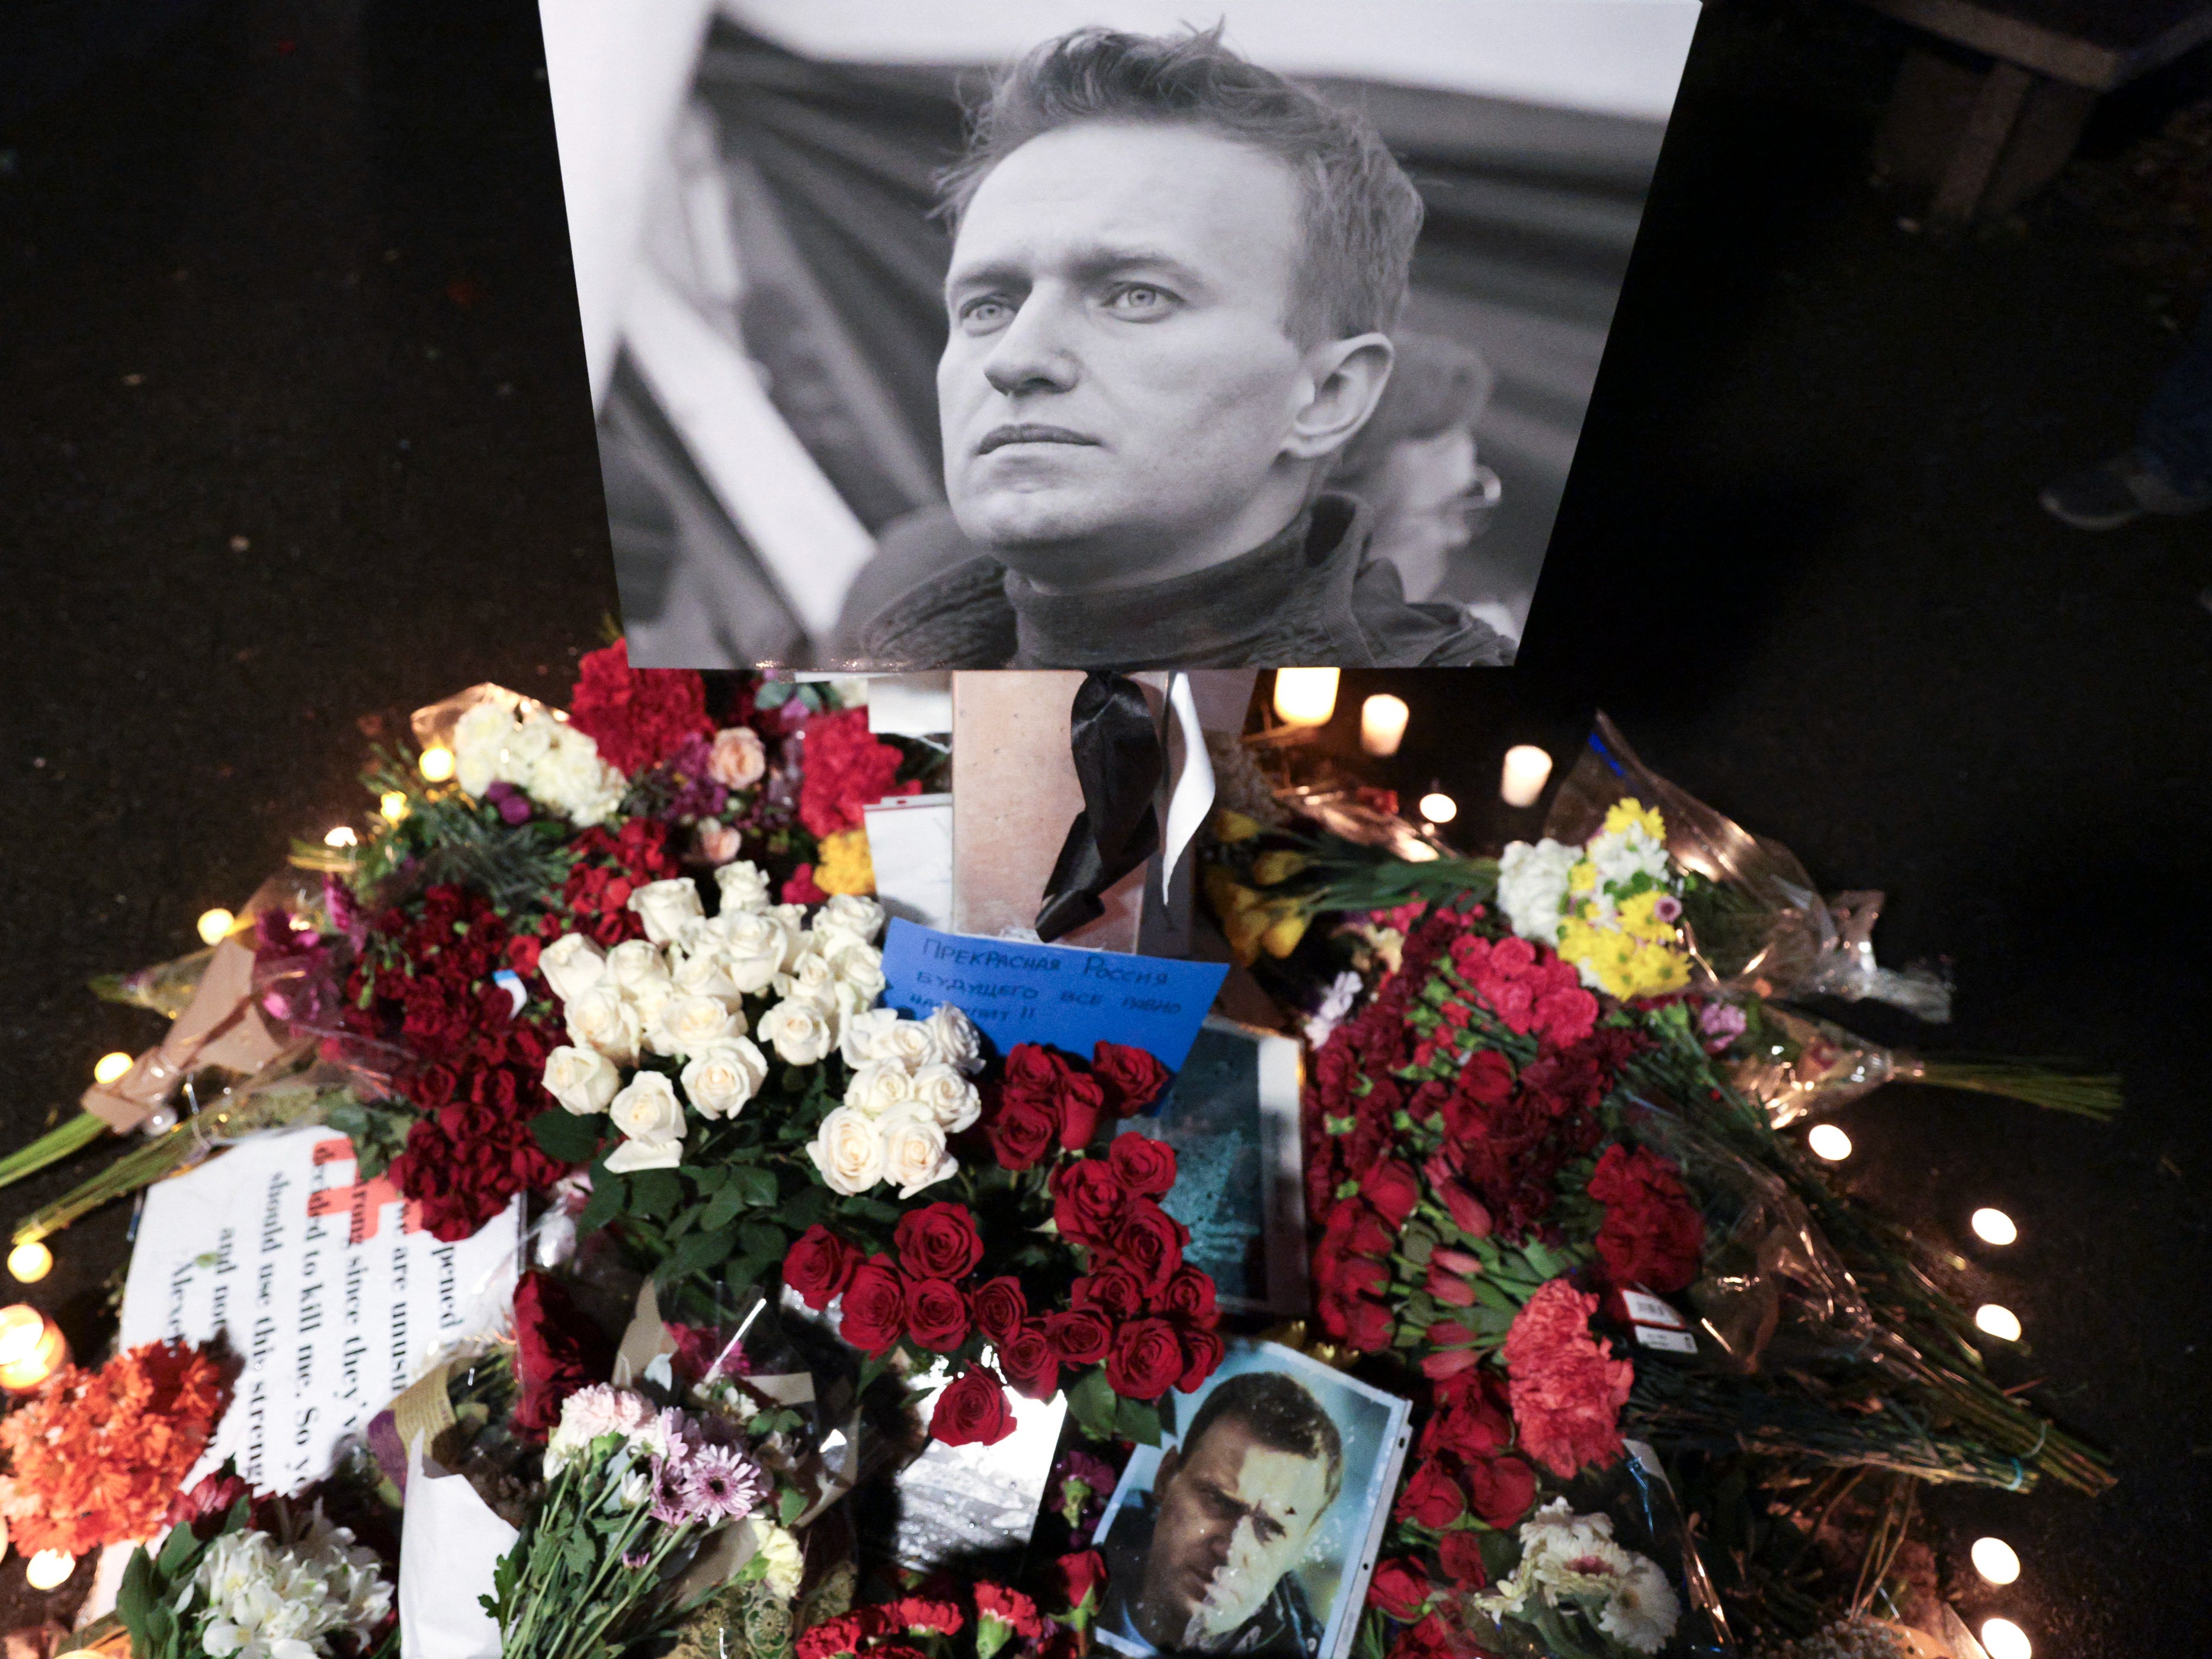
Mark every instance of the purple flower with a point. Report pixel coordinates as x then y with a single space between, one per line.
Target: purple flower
672 1504
514 807
725 1484
636 1560
1666 908
1721 1023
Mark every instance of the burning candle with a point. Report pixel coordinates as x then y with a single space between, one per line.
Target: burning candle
1382 724
50 1570
32 1349
1527 769
436 764
215 925
1305 697
30 1261
110 1067
1437 807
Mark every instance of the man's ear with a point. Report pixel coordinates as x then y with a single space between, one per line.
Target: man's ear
1170 1462
1346 378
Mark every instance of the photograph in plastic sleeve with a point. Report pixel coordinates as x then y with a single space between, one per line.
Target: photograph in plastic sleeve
1232 1117
1253 1527
976 336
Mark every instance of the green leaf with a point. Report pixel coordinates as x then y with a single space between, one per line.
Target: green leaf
790 1506
1135 1420
655 1194
610 1196
872 1209
758 1185
565 1136
760 1238
807 1207
1093 1404
378 1134
696 1252
722 1209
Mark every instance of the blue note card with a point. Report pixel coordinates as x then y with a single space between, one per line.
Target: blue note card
1051 993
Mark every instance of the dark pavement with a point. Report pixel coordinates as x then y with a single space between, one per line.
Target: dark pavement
293 437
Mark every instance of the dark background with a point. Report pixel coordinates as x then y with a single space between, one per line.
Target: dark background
293 437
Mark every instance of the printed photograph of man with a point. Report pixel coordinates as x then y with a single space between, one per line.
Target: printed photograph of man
1203 1562
968 337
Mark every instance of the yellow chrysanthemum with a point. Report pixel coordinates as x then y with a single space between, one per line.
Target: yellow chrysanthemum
1582 879
842 864
1638 918
1622 814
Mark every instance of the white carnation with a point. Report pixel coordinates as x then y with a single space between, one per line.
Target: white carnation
582 1080
800 1033
668 909
744 887
722 1077
1532 887
848 1149
571 965
267 1599
779 1550
571 779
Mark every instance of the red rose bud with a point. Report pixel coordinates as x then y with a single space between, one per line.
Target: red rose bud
1080 1101
1431 1498
936 1315
1082 1581
1452 1291
972 1411
1189 1296
1147 1360
1143 1165
1202 1358
1466 1210
938 1241
1460 1554
1458 1261
999 1308
874 1314
1393 1189
1132 1079
1438 1366
1501 1489
1081 1336
1021 1132
1031 1363
1449 1333
1367 1325
1399 1588
819 1267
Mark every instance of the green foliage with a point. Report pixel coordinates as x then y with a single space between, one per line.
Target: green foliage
378 1134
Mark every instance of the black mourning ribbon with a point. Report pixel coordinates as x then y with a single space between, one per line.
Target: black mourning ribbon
1119 762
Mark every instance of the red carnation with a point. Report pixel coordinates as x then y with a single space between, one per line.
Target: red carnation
1132 1079
637 716
972 1411
938 1241
875 1306
819 1266
1010 1607
847 770
1146 1359
1399 1588
1652 1234
1143 1165
1567 1387
936 1315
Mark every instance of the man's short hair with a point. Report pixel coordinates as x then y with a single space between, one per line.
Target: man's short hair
1361 213
1282 1414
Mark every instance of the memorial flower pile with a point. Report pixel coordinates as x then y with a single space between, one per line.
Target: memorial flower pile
95 1456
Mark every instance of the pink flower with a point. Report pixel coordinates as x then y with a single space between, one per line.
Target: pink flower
721 1483
1567 1389
739 759
719 843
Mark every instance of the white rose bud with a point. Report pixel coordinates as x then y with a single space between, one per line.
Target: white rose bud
690 1026
862 968
914 1151
636 964
601 1019
801 1033
957 1042
950 1098
744 887
863 1032
647 1110
853 916
724 1076
877 1086
811 979
571 965
739 759
582 1080
750 947
668 909
848 1149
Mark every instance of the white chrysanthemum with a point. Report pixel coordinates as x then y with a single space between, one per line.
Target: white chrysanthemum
272 1600
1642 1611
571 779
776 1547
1621 855
1532 887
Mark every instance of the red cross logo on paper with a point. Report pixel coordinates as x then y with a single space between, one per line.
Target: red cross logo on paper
363 1202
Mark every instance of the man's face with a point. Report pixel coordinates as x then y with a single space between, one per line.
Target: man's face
1118 386
1233 1518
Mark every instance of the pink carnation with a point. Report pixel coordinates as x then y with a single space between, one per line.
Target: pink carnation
1567 1389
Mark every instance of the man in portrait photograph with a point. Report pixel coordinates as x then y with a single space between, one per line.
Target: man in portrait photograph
1204 1562
1174 276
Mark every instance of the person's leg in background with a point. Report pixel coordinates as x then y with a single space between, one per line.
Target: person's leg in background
2169 471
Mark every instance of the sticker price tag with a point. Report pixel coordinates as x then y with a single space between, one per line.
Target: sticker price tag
1666 1341
1647 1309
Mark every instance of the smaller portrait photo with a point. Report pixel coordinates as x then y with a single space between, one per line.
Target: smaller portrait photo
1232 1117
1253 1528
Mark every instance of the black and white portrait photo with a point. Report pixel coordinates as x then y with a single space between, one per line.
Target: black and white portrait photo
1255 1532
1096 336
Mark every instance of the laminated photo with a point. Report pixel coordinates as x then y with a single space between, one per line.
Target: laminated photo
1253 1529
1087 335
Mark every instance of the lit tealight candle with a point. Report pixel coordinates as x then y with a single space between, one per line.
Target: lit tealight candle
1382 724
30 1261
1305 697
436 764
1994 1227
1994 1559
393 806
32 1349
1829 1141
109 1067
342 836
2000 1323
215 925
1437 807
1527 768
2005 1640
50 1569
